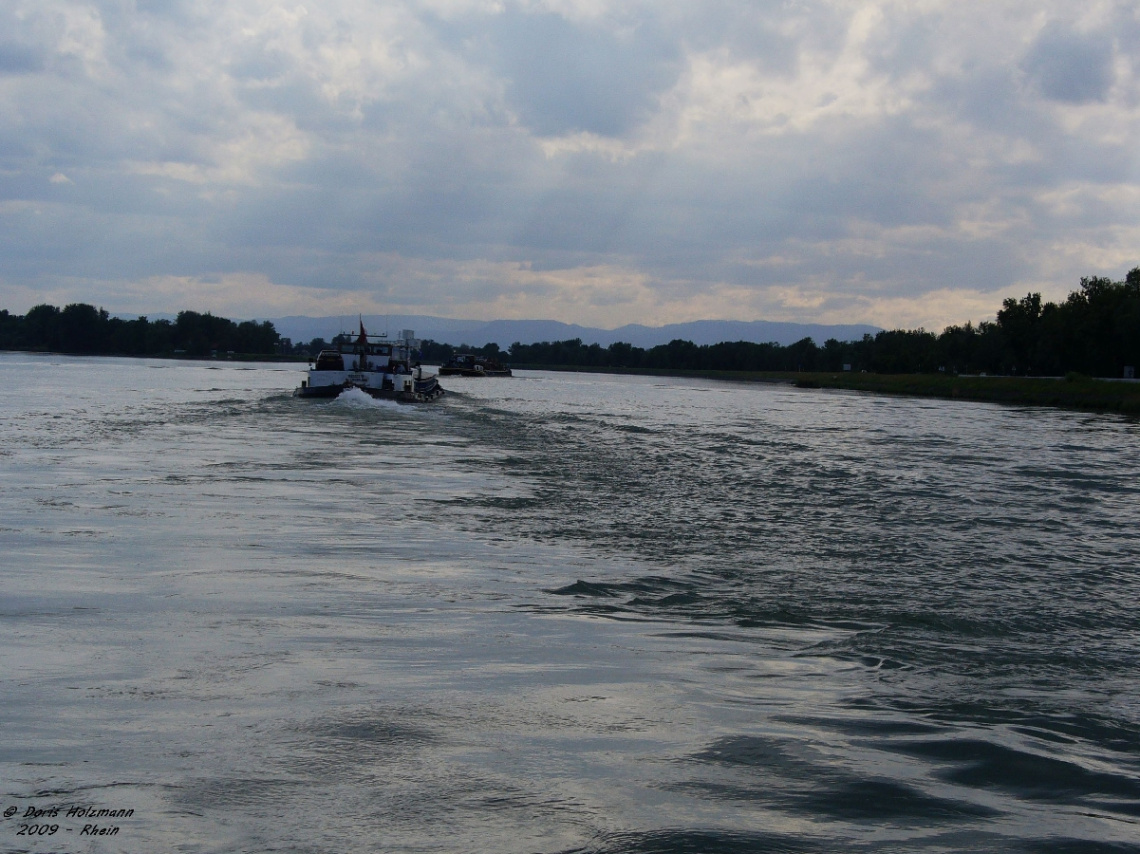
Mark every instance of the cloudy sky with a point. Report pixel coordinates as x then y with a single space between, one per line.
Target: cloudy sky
602 162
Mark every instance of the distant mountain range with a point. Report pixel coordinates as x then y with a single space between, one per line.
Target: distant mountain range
476 333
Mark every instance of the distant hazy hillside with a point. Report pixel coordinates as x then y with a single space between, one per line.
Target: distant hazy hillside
506 332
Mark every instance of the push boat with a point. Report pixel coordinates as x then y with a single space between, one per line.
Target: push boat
470 365
378 366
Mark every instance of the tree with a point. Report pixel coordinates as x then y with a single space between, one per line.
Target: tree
1019 322
41 328
81 328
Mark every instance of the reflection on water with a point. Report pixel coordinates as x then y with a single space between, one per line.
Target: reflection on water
562 613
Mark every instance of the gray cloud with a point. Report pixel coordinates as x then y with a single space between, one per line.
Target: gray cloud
564 76
18 58
1069 66
604 160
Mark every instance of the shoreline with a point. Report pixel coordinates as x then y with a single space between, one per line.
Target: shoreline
1086 394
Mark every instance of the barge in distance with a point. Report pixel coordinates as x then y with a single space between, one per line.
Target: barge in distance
470 365
378 366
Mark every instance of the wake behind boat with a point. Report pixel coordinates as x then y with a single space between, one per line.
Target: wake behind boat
379 367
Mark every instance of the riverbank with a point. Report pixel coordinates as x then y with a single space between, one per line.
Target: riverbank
177 356
1074 392
1084 393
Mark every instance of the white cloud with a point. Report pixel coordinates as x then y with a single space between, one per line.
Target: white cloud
264 142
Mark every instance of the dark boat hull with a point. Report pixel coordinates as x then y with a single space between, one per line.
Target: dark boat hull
425 390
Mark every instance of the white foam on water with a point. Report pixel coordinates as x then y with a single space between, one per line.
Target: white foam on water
356 398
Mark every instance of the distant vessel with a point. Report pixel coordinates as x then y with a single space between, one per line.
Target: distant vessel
379 367
470 365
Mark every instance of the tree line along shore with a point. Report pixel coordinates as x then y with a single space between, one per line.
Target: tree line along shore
82 329
1094 332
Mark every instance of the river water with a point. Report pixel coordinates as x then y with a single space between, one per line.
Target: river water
559 613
